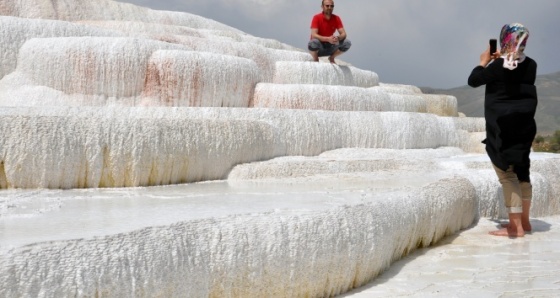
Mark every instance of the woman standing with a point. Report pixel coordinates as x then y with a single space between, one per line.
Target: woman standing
509 110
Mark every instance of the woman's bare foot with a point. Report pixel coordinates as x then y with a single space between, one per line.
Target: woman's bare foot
508 232
526 226
331 60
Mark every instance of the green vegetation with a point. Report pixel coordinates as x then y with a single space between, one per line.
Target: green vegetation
547 143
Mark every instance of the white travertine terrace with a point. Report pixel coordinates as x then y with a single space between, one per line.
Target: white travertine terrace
101 10
320 97
313 177
114 67
265 52
14 32
114 147
399 88
169 31
414 103
277 255
119 147
289 72
192 79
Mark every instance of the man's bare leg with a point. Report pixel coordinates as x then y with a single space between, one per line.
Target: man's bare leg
315 55
525 222
334 55
514 229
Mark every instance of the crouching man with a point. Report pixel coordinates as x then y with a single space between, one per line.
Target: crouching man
323 40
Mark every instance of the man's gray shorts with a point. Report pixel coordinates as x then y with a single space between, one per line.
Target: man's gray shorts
327 49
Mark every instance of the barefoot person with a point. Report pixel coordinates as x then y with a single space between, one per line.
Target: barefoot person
323 40
509 109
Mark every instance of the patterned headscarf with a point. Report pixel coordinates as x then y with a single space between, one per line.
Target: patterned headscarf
513 39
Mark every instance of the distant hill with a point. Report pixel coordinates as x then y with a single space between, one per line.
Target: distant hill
471 101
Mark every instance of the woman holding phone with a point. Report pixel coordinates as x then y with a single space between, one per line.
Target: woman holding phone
509 110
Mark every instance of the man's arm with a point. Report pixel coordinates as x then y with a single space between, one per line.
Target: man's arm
341 34
315 34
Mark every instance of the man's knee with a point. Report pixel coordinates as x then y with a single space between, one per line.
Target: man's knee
314 45
345 45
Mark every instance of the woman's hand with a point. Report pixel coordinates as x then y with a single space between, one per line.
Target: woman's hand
486 57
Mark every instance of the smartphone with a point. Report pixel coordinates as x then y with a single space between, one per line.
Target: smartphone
493 46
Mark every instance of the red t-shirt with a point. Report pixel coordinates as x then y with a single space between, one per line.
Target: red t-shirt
326 27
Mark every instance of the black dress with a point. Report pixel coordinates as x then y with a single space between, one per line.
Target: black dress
509 109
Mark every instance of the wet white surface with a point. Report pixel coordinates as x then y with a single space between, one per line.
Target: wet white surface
475 264
335 190
32 216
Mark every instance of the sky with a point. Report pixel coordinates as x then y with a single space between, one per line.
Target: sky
425 43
